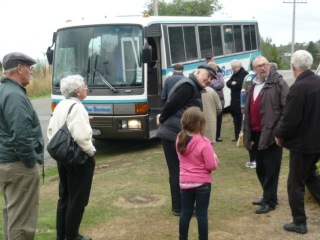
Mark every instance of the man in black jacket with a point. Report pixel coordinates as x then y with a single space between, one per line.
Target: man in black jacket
299 132
186 93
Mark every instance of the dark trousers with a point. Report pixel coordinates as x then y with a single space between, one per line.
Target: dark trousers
251 155
199 196
172 159
237 121
302 172
219 123
268 164
74 192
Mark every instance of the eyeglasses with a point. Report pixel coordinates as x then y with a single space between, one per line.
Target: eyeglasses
263 65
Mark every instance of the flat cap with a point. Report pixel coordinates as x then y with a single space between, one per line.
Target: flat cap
13 59
209 69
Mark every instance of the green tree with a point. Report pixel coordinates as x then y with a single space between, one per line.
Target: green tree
185 8
270 51
313 49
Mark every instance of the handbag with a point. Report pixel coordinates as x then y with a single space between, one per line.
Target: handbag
64 149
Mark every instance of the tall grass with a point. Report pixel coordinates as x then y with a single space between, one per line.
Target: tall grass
40 85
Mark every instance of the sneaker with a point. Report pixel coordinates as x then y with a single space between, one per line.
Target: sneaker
251 165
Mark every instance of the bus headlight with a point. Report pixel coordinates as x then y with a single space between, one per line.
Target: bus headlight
134 124
130 124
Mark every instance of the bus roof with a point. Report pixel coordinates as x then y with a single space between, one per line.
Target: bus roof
148 20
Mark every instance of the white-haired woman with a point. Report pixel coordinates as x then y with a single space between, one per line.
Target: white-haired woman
74 185
235 85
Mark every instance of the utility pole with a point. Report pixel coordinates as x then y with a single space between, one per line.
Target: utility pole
293 20
155 7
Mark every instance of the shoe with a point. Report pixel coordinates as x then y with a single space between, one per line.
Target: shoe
176 213
265 209
251 165
219 140
82 238
257 202
298 228
234 140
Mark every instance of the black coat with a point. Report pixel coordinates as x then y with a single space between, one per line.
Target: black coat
235 107
299 128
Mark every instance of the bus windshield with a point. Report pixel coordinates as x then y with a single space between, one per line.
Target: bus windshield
106 56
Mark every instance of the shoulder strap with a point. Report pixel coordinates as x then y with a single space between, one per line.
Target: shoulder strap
70 111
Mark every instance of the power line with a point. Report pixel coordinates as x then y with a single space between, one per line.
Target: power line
293 20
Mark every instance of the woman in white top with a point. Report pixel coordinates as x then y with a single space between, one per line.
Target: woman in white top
75 184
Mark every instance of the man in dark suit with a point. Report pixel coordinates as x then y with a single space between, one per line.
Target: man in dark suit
299 132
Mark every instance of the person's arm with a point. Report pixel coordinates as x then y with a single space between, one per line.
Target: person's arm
80 129
292 112
19 117
217 102
217 84
209 157
164 94
179 98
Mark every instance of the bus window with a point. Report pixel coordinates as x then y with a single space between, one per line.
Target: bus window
190 43
205 41
237 38
216 40
176 45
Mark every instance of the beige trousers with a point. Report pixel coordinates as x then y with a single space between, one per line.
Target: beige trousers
20 186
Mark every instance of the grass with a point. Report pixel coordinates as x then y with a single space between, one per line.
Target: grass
130 197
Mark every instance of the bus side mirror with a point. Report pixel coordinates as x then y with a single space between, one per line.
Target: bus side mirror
146 53
50 52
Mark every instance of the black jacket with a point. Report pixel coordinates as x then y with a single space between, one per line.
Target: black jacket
299 128
239 76
186 93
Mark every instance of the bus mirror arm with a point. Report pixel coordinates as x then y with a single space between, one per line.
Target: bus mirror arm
50 52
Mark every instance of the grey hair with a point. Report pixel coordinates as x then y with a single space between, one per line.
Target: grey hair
302 60
69 84
258 57
10 70
273 66
236 63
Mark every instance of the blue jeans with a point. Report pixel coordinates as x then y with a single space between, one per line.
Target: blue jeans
199 196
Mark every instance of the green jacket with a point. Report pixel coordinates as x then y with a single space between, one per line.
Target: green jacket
20 130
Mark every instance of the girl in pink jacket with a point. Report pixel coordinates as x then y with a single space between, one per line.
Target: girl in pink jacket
197 160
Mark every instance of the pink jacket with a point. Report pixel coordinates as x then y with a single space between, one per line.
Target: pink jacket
198 161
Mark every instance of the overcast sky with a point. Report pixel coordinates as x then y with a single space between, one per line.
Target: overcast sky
27 25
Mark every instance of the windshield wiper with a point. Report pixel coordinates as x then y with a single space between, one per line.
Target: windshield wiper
106 81
102 78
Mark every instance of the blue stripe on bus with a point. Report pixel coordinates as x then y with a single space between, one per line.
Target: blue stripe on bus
107 101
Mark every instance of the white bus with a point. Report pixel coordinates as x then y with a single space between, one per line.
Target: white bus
125 61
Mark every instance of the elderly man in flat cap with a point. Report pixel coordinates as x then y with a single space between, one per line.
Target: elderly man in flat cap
21 149
185 93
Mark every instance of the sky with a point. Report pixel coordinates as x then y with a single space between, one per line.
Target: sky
27 26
